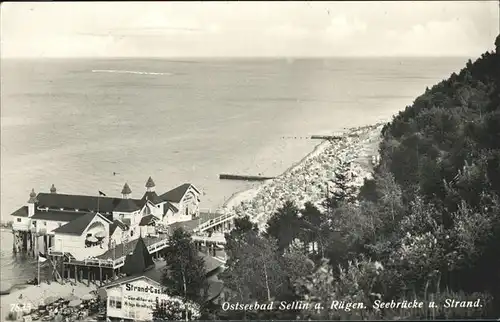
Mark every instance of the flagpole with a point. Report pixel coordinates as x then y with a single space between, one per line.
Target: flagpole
38 276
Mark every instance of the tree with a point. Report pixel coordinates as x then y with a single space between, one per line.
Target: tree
284 225
311 226
343 190
184 274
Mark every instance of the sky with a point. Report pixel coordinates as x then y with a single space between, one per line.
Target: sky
248 29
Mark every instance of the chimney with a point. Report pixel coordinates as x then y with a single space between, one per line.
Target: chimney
31 203
53 189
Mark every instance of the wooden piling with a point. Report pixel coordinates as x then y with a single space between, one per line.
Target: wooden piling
25 241
14 237
62 270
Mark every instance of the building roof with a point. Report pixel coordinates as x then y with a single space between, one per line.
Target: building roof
152 196
146 220
150 183
128 205
126 189
188 225
32 196
21 212
211 263
155 274
78 226
139 261
115 224
176 194
57 215
80 202
169 206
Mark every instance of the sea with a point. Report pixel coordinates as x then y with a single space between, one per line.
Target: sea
86 125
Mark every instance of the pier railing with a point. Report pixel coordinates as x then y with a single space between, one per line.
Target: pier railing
215 238
154 247
214 222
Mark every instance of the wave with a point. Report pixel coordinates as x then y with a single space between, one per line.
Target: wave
129 72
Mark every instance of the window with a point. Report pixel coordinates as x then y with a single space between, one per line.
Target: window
45 223
131 232
34 223
18 219
115 302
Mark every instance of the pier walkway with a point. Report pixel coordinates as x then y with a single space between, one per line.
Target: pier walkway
207 229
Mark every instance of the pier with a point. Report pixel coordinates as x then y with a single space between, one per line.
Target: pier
224 176
89 237
325 137
207 233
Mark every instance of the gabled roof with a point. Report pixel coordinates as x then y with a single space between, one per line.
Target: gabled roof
176 194
146 220
78 226
139 261
21 212
152 196
115 224
57 215
169 206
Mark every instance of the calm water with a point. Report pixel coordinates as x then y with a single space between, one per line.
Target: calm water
73 123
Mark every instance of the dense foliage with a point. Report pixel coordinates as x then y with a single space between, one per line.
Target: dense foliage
426 228
184 278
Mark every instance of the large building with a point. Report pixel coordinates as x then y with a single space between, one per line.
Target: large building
135 296
88 226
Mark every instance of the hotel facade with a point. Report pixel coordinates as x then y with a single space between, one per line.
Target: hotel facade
88 226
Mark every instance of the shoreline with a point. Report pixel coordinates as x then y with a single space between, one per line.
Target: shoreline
356 145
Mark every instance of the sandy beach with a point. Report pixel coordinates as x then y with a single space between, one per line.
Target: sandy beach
32 296
307 180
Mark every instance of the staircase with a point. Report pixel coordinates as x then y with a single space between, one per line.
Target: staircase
214 222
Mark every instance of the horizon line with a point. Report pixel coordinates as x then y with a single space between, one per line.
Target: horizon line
191 58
